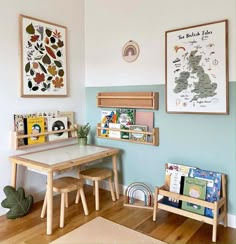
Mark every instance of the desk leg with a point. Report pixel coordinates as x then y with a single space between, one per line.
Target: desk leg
49 203
114 165
13 174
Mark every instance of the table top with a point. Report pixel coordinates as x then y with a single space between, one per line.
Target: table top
63 157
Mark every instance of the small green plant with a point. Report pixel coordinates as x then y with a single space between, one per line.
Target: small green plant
83 130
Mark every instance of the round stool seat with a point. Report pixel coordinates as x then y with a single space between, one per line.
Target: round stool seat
66 184
96 173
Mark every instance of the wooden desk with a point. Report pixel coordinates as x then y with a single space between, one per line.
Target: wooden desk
60 158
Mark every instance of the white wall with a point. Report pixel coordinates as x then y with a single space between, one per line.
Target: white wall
68 13
109 24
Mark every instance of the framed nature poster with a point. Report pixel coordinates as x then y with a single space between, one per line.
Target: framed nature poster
43 58
197 69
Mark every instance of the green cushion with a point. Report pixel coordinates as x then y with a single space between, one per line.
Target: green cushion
16 201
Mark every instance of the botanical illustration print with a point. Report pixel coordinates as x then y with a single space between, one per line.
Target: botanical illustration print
44 58
196 73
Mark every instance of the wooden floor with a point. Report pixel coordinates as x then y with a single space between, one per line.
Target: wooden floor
169 227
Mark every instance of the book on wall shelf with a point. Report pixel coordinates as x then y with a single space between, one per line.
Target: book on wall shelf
125 117
70 122
24 125
56 124
113 133
213 189
34 126
136 136
46 115
195 188
19 126
145 118
107 117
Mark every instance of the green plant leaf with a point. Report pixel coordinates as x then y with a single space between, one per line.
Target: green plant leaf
43 68
16 201
31 72
30 84
83 130
58 64
27 67
35 88
44 84
30 29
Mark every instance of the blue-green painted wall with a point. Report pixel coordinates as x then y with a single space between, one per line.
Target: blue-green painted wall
204 141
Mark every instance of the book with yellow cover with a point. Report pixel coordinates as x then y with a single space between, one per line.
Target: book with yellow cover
34 125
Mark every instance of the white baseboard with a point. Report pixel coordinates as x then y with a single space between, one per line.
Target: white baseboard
231 221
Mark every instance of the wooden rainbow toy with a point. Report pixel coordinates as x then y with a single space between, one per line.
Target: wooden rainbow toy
131 201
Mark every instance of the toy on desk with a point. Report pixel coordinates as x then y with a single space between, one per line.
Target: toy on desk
130 196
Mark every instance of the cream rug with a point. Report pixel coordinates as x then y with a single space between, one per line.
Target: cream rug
100 230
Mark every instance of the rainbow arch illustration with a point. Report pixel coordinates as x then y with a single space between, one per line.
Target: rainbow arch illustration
144 189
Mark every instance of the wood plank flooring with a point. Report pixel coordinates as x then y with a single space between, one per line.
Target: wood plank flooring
170 228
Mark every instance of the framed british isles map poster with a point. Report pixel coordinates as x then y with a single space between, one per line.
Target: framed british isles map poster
196 69
43 58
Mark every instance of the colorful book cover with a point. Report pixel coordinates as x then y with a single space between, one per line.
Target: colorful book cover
136 136
125 117
70 122
46 115
56 124
19 127
106 118
114 133
145 118
173 177
49 114
195 188
213 189
34 126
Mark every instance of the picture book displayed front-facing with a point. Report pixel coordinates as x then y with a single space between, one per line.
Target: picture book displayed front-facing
42 127
195 193
126 122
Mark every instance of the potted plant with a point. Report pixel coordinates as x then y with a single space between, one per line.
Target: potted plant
82 133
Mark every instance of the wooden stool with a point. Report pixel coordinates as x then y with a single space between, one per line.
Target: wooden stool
64 185
96 174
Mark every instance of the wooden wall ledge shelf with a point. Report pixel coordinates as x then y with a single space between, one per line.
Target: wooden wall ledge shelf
154 134
15 138
144 100
44 133
219 207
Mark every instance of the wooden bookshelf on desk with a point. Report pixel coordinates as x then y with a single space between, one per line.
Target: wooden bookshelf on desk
16 138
